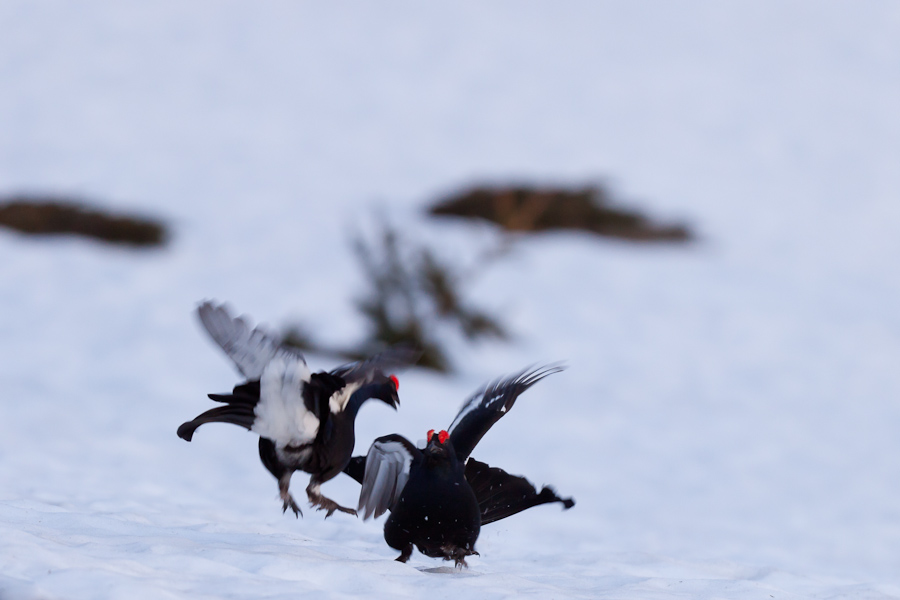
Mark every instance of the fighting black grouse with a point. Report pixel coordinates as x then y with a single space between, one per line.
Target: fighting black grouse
305 420
440 497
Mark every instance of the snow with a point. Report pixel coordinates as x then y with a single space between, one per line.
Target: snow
728 421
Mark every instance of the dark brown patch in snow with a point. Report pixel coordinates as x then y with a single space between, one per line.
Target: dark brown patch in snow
532 208
42 215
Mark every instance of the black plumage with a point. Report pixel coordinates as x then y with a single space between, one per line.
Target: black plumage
305 420
440 497
502 495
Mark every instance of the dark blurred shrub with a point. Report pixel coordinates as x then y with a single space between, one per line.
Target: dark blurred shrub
411 298
411 293
528 208
35 215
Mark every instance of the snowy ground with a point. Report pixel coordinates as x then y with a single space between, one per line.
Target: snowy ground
729 421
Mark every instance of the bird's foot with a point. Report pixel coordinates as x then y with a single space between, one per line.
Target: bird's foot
331 506
290 504
405 554
458 555
320 502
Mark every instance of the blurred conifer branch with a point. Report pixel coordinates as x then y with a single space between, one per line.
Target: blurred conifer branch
412 296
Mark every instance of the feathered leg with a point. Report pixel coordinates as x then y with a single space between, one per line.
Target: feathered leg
283 474
284 482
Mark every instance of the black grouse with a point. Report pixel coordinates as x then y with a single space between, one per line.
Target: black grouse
305 420
440 497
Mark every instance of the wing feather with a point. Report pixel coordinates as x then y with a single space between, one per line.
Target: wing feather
479 413
249 349
388 463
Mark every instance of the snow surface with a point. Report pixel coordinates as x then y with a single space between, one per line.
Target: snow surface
729 421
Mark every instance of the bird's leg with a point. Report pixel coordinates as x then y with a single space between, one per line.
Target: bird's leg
319 501
284 482
405 554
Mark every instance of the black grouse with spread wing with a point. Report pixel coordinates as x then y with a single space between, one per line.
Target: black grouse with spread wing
440 497
305 420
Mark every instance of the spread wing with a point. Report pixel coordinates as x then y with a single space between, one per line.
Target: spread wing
387 469
479 413
249 349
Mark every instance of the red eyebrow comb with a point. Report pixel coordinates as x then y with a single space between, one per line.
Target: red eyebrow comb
442 436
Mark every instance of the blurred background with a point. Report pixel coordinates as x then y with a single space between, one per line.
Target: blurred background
732 390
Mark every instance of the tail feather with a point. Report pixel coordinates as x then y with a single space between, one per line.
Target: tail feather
502 495
236 399
237 414
239 409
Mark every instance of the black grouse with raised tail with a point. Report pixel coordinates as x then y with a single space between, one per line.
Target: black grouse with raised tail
440 497
305 420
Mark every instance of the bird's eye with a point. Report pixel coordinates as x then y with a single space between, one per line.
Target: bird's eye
429 434
395 381
442 436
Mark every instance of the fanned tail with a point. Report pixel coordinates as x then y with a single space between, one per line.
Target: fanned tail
502 495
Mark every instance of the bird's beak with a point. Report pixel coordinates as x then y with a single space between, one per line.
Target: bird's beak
434 446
